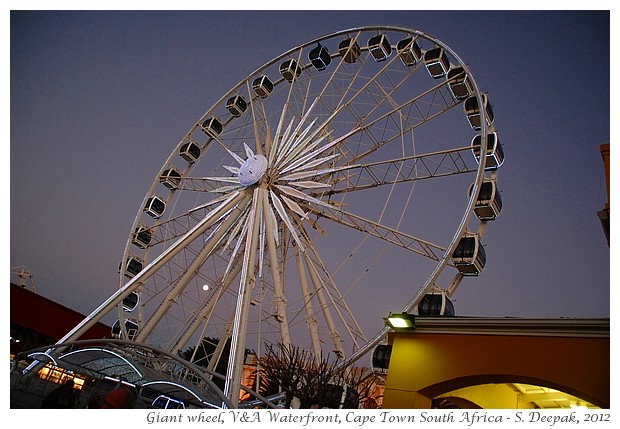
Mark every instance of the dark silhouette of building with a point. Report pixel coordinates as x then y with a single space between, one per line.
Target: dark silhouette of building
37 321
604 213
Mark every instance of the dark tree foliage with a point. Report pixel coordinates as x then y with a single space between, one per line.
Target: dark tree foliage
318 383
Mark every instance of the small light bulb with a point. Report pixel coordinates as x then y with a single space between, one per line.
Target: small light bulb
205 287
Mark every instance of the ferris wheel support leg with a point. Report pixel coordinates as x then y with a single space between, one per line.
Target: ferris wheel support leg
207 307
232 386
133 284
279 299
319 287
310 317
186 277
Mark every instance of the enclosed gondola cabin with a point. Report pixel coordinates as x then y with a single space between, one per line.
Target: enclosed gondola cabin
381 358
236 105
379 47
212 127
469 256
319 57
409 51
155 207
472 111
495 152
290 70
190 152
131 301
262 86
166 402
131 326
133 266
489 202
436 62
460 84
349 50
435 304
170 178
142 237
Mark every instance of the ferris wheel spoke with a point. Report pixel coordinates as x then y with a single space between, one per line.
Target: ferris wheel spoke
406 169
311 320
383 232
196 184
279 299
177 226
331 299
325 306
279 208
246 285
419 109
255 121
366 88
290 156
208 305
402 119
384 93
181 284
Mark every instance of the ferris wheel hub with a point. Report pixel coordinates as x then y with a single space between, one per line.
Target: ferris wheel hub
252 170
339 152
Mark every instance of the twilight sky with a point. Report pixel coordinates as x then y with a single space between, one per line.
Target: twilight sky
99 99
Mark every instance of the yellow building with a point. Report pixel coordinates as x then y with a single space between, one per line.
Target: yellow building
500 363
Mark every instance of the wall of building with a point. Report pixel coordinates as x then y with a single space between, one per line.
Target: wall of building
424 366
37 321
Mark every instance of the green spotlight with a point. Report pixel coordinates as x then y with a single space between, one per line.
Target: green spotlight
401 321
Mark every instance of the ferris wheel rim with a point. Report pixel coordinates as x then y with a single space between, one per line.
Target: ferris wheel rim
479 176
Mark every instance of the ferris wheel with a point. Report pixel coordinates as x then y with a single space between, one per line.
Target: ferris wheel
353 173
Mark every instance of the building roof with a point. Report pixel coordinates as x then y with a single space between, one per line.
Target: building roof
45 316
562 327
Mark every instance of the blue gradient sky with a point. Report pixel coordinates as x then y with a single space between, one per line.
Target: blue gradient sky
99 99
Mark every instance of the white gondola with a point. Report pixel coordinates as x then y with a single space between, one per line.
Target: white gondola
489 202
495 152
168 403
155 207
212 127
460 84
381 358
131 326
469 256
409 51
319 57
131 301
262 86
142 237
435 304
236 105
436 62
133 266
290 70
379 47
190 152
349 50
170 178
472 110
